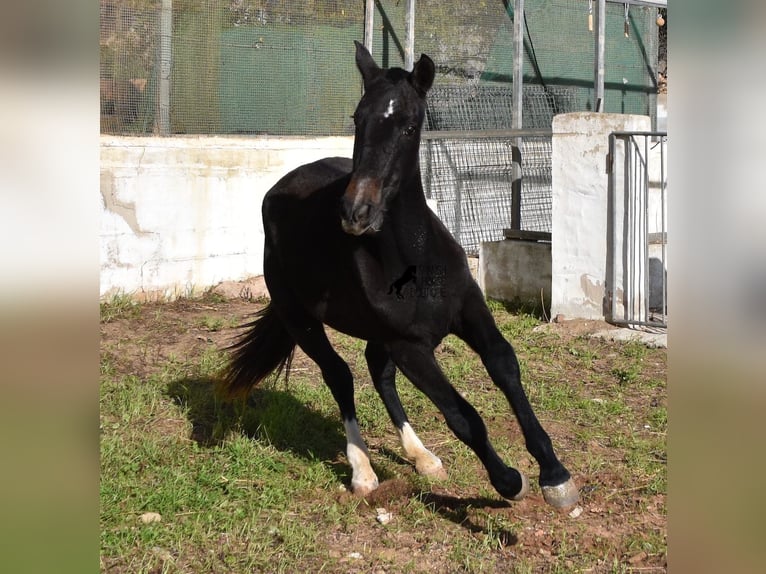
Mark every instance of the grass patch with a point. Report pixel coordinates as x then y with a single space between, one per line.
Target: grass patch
258 485
120 306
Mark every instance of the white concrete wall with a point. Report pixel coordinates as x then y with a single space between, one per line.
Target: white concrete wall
579 209
181 214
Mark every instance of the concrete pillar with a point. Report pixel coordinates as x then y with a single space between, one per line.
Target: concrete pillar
579 209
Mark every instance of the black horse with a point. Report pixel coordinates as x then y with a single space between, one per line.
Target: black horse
339 233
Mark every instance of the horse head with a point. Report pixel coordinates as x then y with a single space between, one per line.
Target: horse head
388 121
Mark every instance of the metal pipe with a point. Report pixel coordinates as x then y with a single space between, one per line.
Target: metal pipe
518 64
517 113
409 37
369 18
663 179
612 246
486 134
166 41
640 133
628 232
598 61
650 3
645 239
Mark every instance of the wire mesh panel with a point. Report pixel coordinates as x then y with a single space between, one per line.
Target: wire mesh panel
471 181
536 190
472 42
129 40
471 178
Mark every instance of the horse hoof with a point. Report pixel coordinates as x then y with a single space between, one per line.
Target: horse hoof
431 467
436 473
439 474
524 488
562 495
363 487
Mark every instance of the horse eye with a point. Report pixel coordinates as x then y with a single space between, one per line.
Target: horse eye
409 130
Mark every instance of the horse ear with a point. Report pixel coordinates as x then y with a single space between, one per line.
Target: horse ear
367 66
422 76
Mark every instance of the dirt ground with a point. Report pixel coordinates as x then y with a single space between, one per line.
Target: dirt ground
611 508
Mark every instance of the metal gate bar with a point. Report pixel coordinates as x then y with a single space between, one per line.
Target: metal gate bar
636 290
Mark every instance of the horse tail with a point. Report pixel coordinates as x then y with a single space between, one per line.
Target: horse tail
266 347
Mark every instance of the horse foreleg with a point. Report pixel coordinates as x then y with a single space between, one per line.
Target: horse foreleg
478 329
418 364
383 373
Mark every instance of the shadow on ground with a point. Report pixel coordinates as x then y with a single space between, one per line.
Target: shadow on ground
461 511
266 414
457 510
278 417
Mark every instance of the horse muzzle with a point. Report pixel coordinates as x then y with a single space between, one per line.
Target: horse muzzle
357 228
361 207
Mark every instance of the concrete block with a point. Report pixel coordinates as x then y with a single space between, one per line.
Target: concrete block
516 271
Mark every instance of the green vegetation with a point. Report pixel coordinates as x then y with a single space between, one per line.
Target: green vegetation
258 485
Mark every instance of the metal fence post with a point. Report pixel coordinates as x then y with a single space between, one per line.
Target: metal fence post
598 61
518 64
166 39
518 106
409 37
369 19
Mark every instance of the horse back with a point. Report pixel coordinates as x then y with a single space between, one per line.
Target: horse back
312 177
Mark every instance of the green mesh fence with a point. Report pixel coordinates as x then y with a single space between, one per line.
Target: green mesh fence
128 65
286 67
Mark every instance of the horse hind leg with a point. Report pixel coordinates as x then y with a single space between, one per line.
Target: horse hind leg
311 338
363 478
383 373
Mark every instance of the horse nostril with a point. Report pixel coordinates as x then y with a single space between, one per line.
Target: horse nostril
355 212
362 212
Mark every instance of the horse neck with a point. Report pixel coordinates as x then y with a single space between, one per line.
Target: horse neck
410 201
410 217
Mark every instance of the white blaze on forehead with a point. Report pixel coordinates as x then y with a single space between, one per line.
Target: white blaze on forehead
390 109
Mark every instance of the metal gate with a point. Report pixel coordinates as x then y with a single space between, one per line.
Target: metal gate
636 286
